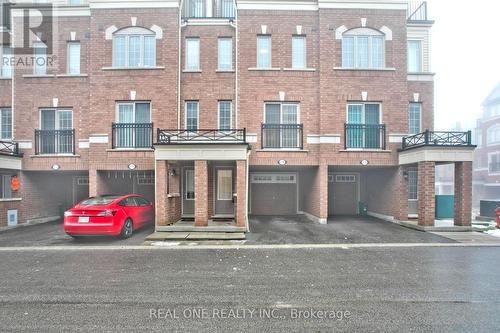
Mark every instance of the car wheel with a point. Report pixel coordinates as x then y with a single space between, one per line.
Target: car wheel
127 229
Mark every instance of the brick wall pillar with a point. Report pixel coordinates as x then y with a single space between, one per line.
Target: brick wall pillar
400 195
323 193
241 193
161 193
93 182
426 193
201 193
463 193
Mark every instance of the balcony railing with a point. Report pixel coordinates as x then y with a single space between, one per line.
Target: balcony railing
417 12
282 136
362 136
201 136
132 136
438 139
54 142
216 9
9 148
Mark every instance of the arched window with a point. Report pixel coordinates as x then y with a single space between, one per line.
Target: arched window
494 134
363 48
134 47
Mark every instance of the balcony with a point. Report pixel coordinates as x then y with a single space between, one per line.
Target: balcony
201 136
417 13
207 9
9 148
438 139
53 142
282 136
132 136
362 136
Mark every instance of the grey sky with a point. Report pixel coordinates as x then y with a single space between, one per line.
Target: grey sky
466 57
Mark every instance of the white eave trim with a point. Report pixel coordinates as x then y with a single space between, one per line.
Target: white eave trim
111 4
362 4
276 5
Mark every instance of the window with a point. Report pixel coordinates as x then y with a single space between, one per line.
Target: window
224 185
6 124
189 185
363 126
493 134
345 178
5 14
479 138
75 2
363 48
494 163
264 52
132 129
412 184
6 62
5 189
56 134
225 115
414 56
192 54
134 47
225 54
414 117
493 110
192 119
40 67
299 52
281 127
196 8
74 58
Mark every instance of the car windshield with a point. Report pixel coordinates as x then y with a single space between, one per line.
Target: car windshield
99 201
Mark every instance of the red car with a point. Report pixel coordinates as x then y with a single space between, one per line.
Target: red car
108 215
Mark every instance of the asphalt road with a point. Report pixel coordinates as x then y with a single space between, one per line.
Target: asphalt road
389 289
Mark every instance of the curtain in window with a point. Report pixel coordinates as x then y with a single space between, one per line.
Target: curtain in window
224 185
264 52
142 135
74 58
119 47
64 140
414 118
47 136
378 60
363 52
225 116
348 52
149 51
225 54
192 54
414 56
125 135
298 52
272 134
192 116
6 122
134 51
372 130
196 8
289 134
355 134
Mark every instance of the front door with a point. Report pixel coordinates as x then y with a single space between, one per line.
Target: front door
188 194
224 204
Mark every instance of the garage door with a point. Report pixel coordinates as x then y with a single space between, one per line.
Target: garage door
273 194
343 194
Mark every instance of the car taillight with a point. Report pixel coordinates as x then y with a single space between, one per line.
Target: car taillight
68 213
107 213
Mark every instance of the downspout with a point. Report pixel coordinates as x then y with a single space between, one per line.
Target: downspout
248 190
236 102
179 67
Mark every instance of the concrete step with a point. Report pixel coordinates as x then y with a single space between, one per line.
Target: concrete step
210 228
191 236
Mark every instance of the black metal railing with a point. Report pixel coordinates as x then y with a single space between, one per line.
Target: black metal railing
199 9
282 136
441 139
9 148
5 9
167 137
132 135
417 12
363 136
54 142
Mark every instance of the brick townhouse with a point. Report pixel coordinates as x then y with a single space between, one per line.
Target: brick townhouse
217 109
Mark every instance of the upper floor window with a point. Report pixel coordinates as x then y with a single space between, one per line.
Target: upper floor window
415 118
6 62
225 115
493 110
133 128
299 52
56 135
363 48
415 56
5 123
494 162
74 58
192 54
264 51
493 134
5 14
225 54
479 138
40 61
192 116
134 47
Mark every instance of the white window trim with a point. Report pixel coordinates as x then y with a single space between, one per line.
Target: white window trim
197 114
270 51
230 113
489 163
363 113
68 58
420 124
352 33
281 104
11 124
304 37
35 65
492 128
56 119
142 35
218 55
186 68
421 41
134 103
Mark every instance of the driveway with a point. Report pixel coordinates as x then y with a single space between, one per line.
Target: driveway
339 230
52 234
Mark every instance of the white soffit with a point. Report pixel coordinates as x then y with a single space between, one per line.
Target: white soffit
363 4
310 5
110 4
208 152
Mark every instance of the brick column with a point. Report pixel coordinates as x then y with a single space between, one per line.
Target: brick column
426 194
323 193
241 193
463 194
400 195
201 193
161 193
93 182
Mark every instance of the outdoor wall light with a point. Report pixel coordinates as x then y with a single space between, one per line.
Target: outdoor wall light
56 167
132 166
172 173
405 175
282 162
365 162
